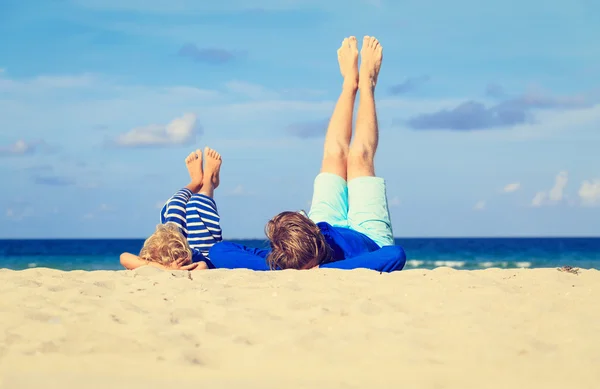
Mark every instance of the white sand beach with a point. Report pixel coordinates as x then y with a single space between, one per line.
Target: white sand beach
300 329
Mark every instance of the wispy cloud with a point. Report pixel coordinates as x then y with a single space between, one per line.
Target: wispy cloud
241 191
18 148
102 209
409 85
248 89
479 206
179 131
494 90
47 82
198 7
473 115
555 195
308 129
513 187
53 180
395 201
589 192
19 210
213 56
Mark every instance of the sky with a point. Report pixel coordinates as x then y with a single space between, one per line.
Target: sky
489 113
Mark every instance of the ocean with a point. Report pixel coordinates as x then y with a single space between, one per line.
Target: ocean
425 253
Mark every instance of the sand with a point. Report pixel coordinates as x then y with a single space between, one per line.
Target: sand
443 328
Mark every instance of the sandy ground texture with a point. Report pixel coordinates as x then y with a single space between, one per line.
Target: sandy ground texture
300 329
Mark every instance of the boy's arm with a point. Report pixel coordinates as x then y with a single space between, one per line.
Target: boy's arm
386 259
132 261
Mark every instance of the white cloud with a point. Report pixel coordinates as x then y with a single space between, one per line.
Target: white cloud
106 208
395 201
479 206
102 209
589 192
554 195
20 147
44 83
193 6
19 211
180 131
539 199
240 190
2 70
560 182
512 187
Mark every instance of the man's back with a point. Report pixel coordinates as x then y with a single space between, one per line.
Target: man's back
351 250
345 242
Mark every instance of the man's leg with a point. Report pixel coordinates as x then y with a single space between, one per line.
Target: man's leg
368 210
339 131
202 216
330 197
366 137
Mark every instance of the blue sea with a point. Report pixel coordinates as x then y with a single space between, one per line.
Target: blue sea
427 253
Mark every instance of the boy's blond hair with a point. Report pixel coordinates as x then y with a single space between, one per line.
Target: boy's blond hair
166 246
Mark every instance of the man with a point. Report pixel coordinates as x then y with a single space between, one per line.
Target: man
349 224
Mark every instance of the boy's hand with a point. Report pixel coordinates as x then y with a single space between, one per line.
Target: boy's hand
180 264
192 266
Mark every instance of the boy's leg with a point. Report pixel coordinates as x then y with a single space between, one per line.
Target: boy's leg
330 197
174 210
368 209
203 220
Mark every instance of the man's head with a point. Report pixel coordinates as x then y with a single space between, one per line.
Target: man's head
166 246
296 242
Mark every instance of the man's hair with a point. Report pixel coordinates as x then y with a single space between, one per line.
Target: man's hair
166 245
296 242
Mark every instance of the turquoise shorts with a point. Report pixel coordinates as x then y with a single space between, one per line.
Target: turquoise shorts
360 205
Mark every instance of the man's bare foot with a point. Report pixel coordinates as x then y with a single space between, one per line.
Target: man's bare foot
194 165
348 60
371 55
212 170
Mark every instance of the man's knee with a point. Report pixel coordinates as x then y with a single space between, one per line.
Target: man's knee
336 151
361 159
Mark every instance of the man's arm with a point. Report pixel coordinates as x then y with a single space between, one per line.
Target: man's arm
227 255
386 259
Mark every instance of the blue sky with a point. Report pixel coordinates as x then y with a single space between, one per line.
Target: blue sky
489 113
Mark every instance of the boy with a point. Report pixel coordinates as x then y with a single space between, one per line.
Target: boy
190 221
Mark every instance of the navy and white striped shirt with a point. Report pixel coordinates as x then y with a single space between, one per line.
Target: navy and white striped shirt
197 217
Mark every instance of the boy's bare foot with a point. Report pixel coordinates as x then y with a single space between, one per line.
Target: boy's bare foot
212 169
194 165
348 60
371 55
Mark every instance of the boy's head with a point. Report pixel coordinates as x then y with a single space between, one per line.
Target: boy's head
166 246
296 242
